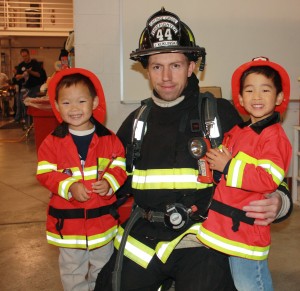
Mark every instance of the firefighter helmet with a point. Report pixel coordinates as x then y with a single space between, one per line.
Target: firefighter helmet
98 112
165 32
260 61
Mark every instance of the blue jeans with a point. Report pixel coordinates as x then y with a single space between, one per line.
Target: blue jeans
250 275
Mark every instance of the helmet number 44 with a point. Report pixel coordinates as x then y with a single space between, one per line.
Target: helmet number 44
161 37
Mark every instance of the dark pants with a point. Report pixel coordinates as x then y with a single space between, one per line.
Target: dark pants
21 109
192 269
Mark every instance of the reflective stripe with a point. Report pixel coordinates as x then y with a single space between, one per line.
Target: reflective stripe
167 179
99 240
164 249
90 173
45 167
64 186
237 169
235 177
231 247
80 241
134 250
112 181
276 172
141 254
119 162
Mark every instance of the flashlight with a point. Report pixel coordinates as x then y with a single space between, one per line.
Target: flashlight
198 146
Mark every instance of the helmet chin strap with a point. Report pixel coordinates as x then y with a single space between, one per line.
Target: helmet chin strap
202 63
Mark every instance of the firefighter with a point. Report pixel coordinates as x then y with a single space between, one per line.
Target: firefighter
171 200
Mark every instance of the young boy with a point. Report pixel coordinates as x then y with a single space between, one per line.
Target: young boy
254 159
82 163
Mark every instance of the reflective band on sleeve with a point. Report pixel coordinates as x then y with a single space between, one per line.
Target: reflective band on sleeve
45 167
64 186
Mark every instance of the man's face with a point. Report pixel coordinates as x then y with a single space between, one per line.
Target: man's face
26 57
168 74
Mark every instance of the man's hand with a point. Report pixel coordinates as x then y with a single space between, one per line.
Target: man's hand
264 211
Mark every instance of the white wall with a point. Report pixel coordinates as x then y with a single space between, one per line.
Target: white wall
230 34
97 48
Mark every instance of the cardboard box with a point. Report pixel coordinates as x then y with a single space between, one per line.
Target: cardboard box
216 91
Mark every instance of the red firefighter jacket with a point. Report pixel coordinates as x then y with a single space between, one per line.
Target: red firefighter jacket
73 224
261 157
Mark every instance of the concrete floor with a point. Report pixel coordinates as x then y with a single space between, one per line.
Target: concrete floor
28 263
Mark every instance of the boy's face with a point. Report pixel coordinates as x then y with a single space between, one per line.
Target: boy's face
75 105
259 97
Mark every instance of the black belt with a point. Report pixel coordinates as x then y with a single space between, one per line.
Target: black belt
237 215
62 214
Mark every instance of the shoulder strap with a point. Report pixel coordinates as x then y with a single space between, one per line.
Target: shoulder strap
207 107
138 132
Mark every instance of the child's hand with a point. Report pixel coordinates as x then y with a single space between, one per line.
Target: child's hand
102 187
79 192
218 159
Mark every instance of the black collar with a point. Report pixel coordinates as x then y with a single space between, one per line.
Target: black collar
62 129
259 126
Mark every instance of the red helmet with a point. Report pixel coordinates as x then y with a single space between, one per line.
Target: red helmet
99 112
260 61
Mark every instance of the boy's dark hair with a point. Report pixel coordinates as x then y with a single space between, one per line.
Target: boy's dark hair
74 79
268 72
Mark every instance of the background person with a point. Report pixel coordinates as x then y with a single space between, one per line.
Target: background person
29 79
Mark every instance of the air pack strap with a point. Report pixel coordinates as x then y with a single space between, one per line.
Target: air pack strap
237 215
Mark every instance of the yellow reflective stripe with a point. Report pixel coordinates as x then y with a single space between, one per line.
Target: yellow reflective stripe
237 168
45 167
135 250
285 185
102 239
112 181
164 249
64 186
80 241
102 163
234 179
119 162
69 241
276 172
90 173
167 179
231 247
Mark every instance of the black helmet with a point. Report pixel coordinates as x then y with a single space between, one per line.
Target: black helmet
165 32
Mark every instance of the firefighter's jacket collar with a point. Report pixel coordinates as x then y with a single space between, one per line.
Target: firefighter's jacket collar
259 126
62 130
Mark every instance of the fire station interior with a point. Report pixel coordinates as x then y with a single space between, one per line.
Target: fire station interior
27 262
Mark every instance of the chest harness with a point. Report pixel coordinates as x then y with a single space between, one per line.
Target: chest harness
177 215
